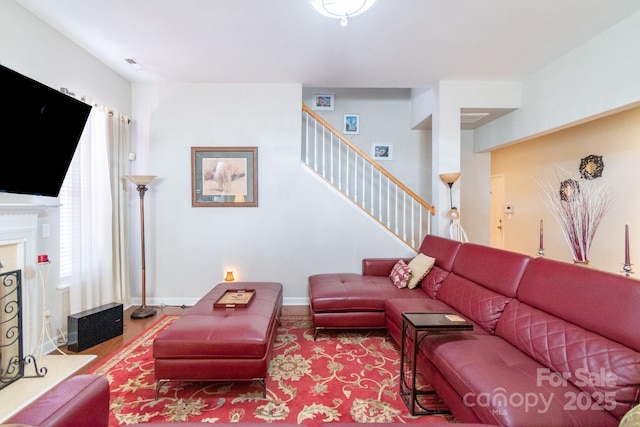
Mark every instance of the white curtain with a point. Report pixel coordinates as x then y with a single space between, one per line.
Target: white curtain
99 272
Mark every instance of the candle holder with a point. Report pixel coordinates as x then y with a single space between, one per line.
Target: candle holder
540 252
43 270
626 269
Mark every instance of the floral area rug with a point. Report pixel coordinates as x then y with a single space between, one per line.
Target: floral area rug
339 377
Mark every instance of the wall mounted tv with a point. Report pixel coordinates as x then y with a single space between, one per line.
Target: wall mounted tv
40 129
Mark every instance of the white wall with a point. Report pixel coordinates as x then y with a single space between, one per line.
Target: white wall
300 226
32 48
475 196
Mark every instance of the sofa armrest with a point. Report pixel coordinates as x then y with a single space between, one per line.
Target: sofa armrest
82 400
379 266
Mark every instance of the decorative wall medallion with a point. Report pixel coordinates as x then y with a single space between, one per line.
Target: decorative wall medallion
591 167
568 189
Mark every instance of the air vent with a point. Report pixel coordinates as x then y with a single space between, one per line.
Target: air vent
134 64
470 118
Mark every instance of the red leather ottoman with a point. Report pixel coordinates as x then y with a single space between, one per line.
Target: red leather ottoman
221 344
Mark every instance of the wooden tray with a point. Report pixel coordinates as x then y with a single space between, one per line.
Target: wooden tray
235 298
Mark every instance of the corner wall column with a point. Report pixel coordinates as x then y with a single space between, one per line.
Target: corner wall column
445 153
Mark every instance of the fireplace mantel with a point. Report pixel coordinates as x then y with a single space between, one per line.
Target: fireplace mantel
17 208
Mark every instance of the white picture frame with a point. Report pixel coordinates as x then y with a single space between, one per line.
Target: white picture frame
351 124
382 151
323 101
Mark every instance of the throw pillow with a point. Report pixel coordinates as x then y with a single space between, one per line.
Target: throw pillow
433 280
419 266
400 274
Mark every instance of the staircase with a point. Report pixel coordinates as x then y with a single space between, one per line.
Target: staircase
360 179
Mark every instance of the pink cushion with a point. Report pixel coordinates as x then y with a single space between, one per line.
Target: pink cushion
400 274
432 282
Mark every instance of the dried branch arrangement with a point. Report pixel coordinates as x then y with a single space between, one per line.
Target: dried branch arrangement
579 206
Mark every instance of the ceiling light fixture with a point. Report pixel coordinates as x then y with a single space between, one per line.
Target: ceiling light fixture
341 9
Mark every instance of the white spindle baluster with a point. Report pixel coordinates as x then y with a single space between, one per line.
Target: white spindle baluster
347 172
404 215
340 167
371 182
315 145
355 177
388 203
306 136
395 220
380 196
413 224
331 157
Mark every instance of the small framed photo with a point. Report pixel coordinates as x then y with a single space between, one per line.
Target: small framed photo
224 176
323 101
351 124
381 151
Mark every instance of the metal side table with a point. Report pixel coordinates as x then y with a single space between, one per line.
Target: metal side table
415 327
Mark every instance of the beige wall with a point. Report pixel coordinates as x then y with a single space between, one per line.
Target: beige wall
525 165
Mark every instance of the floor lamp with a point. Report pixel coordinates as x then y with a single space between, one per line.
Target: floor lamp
141 182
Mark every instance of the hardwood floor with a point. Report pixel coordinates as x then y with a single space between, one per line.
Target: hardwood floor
134 327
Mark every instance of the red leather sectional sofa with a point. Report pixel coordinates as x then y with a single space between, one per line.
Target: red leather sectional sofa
82 400
554 344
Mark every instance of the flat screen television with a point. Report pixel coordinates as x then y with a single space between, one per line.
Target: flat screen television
40 128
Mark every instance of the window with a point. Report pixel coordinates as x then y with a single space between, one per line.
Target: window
69 188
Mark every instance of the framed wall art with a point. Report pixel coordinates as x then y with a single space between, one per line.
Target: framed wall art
224 176
351 124
323 101
382 151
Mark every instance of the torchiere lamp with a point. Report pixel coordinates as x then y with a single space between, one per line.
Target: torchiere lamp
141 182
450 179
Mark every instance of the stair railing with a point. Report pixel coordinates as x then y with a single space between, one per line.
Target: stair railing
359 178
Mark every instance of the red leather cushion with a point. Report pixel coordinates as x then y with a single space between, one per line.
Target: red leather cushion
214 337
602 302
503 385
79 400
442 249
495 269
481 305
431 284
351 292
613 369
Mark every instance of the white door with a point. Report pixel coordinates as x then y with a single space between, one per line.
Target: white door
497 216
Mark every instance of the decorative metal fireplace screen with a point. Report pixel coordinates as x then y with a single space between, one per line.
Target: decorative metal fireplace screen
11 358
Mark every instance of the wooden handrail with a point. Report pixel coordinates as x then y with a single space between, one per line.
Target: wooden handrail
375 164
